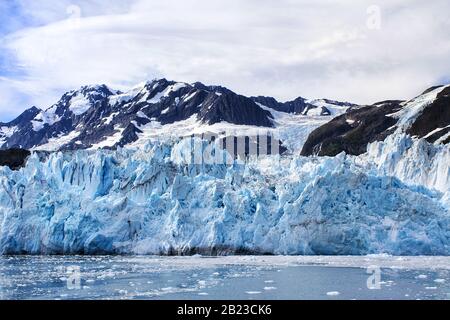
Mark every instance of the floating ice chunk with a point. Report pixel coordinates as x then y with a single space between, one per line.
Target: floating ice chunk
253 292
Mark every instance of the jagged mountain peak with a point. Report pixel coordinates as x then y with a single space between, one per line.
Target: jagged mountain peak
24 117
333 102
432 89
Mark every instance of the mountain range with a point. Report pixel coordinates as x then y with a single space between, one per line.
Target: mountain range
99 117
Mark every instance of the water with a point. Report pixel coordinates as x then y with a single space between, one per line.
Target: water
224 278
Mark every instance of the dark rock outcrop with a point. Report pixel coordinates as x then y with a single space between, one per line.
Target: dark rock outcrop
352 131
296 106
434 118
232 108
14 158
24 118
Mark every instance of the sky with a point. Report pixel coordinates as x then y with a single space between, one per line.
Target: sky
356 51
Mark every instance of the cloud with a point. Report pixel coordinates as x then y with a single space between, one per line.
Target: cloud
281 48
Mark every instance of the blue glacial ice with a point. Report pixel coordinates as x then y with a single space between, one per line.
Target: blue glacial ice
393 199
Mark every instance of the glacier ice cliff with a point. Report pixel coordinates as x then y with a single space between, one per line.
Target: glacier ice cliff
394 199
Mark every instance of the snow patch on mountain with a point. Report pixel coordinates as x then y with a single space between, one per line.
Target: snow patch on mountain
6 132
47 117
166 92
110 118
414 108
435 131
334 107
127 96
54 144
142 115
442 139
190 96
294 129
314 112
79 104
110 141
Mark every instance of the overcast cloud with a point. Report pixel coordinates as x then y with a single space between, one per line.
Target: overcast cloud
281 48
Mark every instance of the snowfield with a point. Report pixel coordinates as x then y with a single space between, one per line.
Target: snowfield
154 200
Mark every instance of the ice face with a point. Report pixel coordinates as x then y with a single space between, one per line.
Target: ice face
394 199
412 160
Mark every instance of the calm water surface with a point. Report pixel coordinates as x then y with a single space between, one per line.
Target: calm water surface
214 278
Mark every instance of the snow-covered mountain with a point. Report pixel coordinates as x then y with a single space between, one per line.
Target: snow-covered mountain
99 117
389 193
426 116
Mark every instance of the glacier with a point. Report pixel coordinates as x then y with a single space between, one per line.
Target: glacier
394 199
